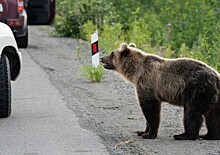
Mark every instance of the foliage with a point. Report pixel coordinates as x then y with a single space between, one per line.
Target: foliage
139 33
93 74
187 19
110 37
207 52
88 28
73 14
186 28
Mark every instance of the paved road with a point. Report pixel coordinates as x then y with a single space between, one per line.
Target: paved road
41 123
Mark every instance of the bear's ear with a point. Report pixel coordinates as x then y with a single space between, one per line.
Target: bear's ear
123 47
132 45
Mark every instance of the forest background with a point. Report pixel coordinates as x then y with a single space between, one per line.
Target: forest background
171 28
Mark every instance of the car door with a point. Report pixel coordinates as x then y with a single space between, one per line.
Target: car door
40 12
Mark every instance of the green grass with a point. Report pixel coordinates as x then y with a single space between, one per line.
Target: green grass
91 73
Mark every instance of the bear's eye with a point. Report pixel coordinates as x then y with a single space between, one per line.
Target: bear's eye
112 53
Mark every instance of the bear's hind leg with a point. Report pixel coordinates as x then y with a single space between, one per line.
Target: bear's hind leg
213 125
192 124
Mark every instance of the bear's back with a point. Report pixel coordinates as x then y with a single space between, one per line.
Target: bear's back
179 74
187 68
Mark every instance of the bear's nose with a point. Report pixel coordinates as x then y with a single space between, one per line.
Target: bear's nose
101 60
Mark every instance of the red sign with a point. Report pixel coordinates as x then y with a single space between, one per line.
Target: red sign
94 48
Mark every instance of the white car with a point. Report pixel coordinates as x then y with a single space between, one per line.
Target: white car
10 66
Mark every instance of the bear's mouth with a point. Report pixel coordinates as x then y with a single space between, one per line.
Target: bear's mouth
106 65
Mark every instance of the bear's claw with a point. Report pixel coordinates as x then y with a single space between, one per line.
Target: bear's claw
149 136
140 133
146 135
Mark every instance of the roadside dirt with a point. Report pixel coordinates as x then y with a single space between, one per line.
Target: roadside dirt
109 108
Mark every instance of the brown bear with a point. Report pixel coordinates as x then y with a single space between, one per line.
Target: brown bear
183 82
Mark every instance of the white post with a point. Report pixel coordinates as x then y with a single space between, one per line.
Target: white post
95 49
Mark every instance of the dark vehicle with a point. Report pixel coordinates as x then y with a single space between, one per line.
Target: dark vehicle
18 14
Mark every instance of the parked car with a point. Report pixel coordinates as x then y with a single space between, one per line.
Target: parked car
18 14
10 65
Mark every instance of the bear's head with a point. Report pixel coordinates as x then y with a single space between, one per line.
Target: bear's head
118 57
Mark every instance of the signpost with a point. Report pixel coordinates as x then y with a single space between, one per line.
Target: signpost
95 49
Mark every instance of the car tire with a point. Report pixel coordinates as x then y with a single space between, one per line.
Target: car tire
5 87
22 42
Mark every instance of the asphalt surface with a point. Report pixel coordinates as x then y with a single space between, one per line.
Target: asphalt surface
41 123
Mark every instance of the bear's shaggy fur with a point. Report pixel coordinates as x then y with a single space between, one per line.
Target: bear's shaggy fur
183 82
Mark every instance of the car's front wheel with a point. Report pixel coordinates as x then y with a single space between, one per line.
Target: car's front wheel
5 87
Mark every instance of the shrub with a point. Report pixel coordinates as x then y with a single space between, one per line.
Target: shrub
87 30
93 74
110 37
72 15
204 50
139 34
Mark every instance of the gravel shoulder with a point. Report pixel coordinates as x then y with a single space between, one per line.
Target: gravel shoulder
109 108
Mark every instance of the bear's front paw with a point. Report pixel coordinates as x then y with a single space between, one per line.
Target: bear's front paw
149 136
185 136
140 133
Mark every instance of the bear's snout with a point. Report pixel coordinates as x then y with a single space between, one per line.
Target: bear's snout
102 60
107 63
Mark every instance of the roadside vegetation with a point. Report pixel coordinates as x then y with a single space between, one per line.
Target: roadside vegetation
186 28
92 73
